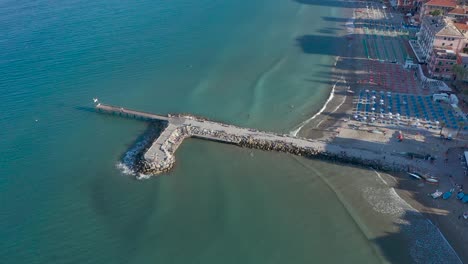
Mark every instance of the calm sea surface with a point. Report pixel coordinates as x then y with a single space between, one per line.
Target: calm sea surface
63 199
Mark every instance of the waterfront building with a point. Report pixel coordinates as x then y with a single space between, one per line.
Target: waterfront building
445 6
438 43
461 71
463 28
441 62
459 13
437 32
404 5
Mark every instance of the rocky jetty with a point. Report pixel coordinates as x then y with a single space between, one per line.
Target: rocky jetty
164 159
159 156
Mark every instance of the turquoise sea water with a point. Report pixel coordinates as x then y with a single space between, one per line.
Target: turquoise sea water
63 199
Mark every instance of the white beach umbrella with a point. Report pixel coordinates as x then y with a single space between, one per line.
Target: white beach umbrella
398 114
367 90
373 109
372 119
364 118
381 116
373 97
355 117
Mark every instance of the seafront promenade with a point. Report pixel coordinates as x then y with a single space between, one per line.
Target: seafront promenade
159 156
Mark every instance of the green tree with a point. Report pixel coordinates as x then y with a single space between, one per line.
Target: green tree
435 12
460 72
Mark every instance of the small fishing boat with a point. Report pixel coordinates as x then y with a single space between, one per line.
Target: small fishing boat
465 199
432 180
436 194
448 194
415 175
460 195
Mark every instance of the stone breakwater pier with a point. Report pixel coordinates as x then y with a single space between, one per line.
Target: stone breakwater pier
159 155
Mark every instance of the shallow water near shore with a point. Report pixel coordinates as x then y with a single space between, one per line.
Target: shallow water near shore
65 200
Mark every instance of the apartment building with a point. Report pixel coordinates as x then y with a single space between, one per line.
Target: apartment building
439 32
445 6
438 43
404 5
460 14
441 62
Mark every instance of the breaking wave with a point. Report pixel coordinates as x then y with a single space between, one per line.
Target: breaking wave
330 97
128 164
427 243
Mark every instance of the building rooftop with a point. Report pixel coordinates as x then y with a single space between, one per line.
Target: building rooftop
442 3
458 11
445 54
463 27
442 27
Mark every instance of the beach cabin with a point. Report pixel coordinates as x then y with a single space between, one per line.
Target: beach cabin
441 97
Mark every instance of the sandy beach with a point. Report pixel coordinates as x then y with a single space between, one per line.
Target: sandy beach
336 124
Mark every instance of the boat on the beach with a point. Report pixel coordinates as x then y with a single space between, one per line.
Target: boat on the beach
460 195
465 199
436 194
431 180
448 194
415 175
